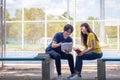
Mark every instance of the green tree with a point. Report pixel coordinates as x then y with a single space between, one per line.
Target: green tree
54 27
92 18
33 31
7 15
65 14
34 14
18 14
14 31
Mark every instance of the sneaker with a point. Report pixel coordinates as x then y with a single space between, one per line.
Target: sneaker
59 77
76 77
70 76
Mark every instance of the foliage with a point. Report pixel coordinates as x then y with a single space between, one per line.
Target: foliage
35 31
34 14
7 15
65 15
92 18
55 27
111 31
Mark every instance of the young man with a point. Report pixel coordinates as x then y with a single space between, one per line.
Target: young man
54 49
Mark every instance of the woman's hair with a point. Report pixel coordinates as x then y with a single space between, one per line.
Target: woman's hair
84 36
67 27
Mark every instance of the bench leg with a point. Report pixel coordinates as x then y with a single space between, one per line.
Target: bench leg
47 69
101 70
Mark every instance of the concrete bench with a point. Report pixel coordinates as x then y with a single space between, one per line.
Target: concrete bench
47 64
101 67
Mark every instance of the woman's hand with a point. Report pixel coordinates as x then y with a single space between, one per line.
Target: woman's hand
81 53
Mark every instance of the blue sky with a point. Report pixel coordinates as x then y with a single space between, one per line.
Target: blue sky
84 8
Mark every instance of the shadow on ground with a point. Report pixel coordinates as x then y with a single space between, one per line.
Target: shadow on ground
33 72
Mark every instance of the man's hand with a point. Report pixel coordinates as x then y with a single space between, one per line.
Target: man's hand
55 44
67 51
59 44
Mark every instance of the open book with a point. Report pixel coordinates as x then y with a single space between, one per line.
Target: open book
66 46
77 50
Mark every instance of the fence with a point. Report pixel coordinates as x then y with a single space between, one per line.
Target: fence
23 34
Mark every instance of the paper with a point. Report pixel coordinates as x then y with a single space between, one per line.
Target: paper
66 46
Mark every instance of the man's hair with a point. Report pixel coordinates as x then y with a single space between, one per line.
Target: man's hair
67 27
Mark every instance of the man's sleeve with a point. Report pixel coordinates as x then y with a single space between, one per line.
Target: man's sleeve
56 37
71 40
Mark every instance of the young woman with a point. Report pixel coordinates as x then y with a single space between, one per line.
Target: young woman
92 49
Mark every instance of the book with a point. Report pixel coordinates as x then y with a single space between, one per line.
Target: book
66 46
77 50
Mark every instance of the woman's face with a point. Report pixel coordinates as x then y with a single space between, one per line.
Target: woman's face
83 30
67 33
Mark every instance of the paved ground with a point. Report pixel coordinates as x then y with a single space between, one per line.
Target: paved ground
33 72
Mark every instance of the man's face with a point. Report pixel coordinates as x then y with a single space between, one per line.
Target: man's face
67 33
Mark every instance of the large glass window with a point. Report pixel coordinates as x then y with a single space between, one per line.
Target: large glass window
34 37
13 36
85 10
34 22
57 10
112 9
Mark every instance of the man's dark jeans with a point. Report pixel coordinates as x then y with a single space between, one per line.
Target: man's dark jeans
58 56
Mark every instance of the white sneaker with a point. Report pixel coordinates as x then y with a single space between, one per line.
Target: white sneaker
76 77
59 77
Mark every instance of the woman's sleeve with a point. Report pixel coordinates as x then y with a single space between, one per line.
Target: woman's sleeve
92 36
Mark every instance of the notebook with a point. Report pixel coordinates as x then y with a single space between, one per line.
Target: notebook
77 50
